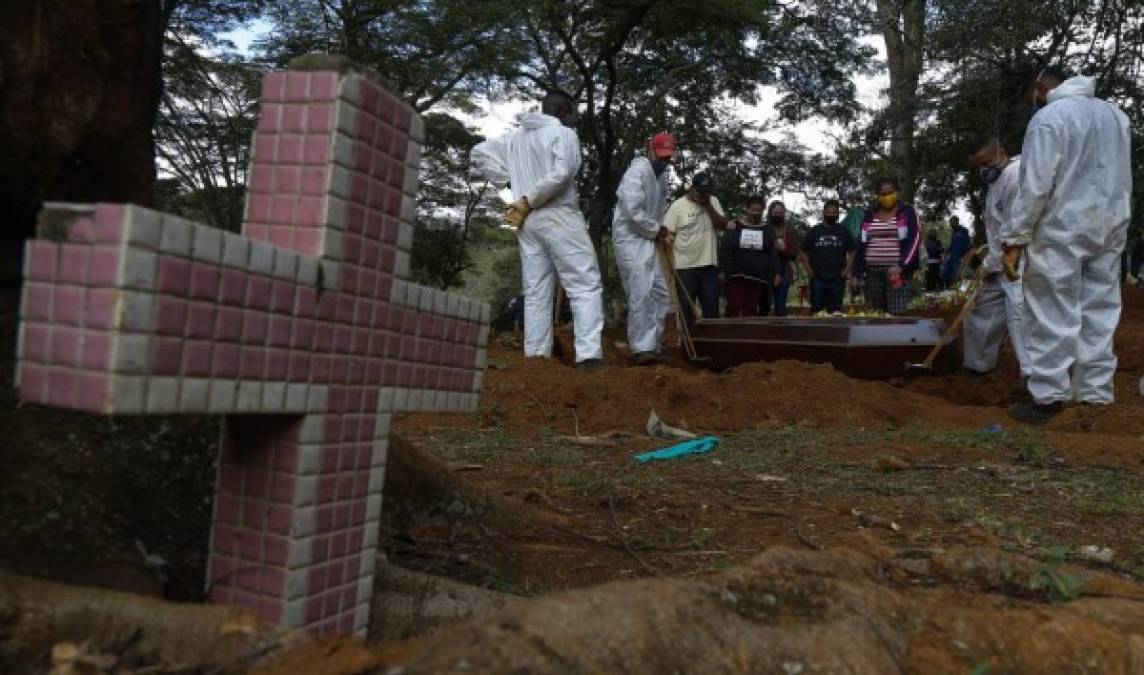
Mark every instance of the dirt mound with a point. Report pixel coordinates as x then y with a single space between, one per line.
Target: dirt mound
800 611
537 396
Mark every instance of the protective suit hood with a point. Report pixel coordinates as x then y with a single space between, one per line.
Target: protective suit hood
535 120
1080 85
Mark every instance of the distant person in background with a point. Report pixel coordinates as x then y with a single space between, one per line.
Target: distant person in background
960 241
751 264
855 213
691 222
888 249
786 243
934 252
827 254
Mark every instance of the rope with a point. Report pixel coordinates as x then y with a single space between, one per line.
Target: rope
666 260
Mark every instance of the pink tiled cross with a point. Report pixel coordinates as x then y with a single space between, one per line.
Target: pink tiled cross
303 333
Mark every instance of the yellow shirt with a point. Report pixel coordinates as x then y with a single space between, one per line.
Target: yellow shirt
695 242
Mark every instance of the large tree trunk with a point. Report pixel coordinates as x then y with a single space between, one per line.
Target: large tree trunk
79 90
902 23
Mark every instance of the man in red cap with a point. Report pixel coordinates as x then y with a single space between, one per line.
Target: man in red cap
636 224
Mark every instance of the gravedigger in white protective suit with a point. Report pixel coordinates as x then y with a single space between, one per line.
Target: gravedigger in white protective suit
1001 302
637 224
540 161
1070 219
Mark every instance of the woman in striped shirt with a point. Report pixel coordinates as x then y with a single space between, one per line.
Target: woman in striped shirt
887 251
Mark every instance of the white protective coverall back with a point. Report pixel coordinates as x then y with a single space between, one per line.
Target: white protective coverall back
1071 212
640 204
540 160
1001 302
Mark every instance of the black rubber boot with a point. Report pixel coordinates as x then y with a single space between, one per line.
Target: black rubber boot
1035 413
589 365
646 358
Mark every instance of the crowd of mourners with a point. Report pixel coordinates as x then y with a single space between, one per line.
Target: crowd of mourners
1056 223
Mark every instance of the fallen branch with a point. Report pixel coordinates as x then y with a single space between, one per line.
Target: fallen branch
804 539
624 542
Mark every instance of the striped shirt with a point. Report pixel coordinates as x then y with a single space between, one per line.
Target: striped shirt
882 247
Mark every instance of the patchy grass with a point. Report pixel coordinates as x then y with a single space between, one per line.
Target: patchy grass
1119 495
941 485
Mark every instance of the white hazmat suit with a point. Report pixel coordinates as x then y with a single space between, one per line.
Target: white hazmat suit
640 204
540 161
1071 213
1001 302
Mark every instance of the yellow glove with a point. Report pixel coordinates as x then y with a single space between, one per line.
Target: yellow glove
1011 262
517 213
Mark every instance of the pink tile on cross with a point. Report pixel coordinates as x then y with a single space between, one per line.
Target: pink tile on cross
42 259
108 223
197 358
252 363
297 87
290 148
294 118
170 315
103 266
37 342
73 264
205 279
96 351
201 317
273 87
224 360
313 181
166 355
174 275
69 305
316 150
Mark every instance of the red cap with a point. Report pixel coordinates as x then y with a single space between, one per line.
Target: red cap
663 144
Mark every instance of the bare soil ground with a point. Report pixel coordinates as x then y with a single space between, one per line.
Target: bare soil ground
829 499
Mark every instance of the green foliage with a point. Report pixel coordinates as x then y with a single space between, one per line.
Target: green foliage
1058 585
980 62
439 52
202 136
453 211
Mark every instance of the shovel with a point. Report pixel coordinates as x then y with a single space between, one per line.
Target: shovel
970 300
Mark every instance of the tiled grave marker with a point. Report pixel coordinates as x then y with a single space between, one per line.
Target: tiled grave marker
303 332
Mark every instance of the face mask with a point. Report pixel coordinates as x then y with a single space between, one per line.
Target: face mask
888 201
777 220
990 174
831 219
659 166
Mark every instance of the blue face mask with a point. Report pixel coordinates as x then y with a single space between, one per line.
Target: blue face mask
659 166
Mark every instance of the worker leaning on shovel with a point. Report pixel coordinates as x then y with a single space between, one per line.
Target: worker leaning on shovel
540 161
1001 302
637 223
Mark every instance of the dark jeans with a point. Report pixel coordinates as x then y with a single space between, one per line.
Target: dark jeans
701 283
933 277
782 292
826 295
